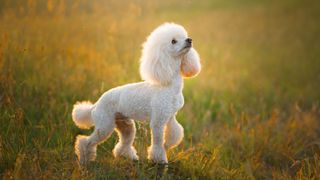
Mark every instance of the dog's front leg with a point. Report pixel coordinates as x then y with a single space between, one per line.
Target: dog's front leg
156 152
173 133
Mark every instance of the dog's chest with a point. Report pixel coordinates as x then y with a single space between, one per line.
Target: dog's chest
178 101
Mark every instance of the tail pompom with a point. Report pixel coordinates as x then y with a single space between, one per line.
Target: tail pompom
81 115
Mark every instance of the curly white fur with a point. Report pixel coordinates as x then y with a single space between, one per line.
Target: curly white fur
81 114
167 57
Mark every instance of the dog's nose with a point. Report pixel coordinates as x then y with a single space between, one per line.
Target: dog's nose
189 40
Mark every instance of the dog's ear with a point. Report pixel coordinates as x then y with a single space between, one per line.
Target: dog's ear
156 65
190 64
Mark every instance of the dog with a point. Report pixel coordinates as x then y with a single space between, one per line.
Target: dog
167 57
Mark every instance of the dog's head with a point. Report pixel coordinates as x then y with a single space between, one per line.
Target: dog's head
167 53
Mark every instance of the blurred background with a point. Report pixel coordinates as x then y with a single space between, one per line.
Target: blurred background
253 111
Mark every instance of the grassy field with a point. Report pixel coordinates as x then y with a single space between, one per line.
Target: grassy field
252 113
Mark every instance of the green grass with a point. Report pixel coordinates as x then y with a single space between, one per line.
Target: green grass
253 112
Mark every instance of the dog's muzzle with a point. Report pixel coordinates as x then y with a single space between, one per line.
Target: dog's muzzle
188 43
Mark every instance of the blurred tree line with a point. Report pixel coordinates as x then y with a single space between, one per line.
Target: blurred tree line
21 8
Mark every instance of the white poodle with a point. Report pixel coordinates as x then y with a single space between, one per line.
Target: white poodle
167 57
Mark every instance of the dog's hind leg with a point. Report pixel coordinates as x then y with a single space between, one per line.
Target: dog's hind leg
173 133
86 146
126 130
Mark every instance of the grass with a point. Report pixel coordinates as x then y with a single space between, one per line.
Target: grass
252 113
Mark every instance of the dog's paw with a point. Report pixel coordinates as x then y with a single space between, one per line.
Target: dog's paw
157 154
84 150
125 151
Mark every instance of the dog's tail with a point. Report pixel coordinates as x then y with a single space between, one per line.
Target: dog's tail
81 114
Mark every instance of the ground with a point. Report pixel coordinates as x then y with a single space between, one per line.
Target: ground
253 112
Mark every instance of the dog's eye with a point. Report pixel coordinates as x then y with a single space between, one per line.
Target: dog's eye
173 41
